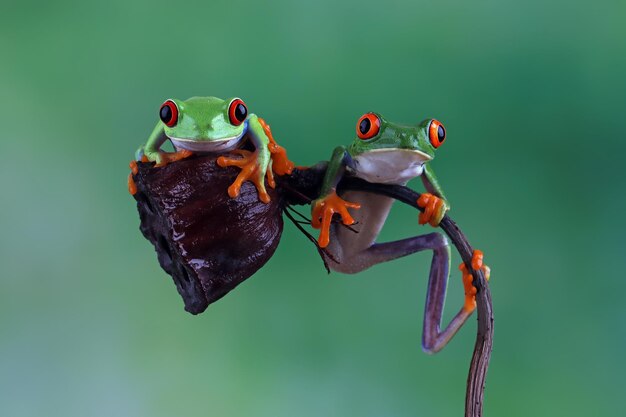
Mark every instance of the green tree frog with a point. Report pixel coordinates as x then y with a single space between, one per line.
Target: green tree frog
384 152
213 125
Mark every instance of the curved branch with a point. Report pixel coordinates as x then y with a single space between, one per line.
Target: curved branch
200 286
484 334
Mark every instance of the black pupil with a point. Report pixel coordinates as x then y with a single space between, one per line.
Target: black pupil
241 112
166 114
365 126
441 133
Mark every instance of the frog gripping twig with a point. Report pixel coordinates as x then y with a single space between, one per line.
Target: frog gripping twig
387 153
213 125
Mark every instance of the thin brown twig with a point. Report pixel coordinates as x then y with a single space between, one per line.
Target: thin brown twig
484 334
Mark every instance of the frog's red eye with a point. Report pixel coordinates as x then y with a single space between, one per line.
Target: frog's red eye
237 112
169 113
436 133
368 126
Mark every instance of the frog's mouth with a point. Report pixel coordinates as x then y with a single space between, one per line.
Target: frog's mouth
391 165
212 146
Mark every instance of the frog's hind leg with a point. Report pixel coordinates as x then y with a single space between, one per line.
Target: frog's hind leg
433 339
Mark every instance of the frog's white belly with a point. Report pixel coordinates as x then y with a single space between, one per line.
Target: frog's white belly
390 166
212 146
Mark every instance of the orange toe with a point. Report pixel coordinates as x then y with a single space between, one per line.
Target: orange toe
432 206
169 157
250 171
477 259
281 165
323 211
178 155
132 187
468 279
133 167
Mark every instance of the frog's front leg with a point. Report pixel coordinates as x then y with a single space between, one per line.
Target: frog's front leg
255 165
281 165
328 203
433 202
151 152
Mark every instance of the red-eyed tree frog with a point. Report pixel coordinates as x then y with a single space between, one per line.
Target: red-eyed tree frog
213 125
384 152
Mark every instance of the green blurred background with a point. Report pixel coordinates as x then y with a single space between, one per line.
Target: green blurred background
533 96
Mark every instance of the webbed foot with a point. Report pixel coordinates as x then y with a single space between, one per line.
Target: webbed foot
251 169
434 209
132 187
161 159
322 215
470 290
165 158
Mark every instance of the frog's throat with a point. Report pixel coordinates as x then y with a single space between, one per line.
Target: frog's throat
214 146
390 165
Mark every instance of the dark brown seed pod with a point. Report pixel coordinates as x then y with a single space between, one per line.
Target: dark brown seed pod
208 242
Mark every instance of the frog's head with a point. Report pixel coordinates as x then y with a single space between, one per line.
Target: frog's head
385 152
204 123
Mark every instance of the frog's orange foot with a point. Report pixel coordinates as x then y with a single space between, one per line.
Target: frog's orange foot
434 209
280 163
322 215
132 187
468 279
250 170
169 157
